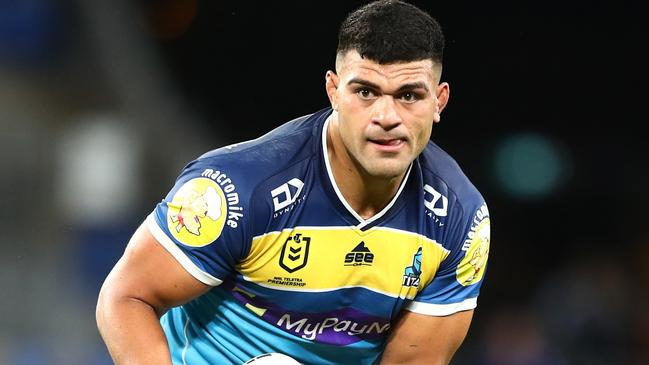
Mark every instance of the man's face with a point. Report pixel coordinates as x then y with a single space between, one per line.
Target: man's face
385 113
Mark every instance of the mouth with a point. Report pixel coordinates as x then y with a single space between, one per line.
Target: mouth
388 144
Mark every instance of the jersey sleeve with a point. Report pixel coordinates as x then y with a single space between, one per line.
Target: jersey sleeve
200 222
457 283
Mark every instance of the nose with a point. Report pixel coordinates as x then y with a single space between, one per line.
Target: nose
385 113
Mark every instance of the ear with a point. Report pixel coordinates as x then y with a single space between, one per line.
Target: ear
442 92
331 86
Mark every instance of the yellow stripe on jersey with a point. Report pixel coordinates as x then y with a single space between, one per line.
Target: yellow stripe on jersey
312 259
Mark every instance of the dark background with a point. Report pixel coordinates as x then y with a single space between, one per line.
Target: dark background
544 91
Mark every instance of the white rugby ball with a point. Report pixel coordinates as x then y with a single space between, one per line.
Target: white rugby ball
272 358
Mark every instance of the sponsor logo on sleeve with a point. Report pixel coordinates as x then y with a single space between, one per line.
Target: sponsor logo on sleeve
195 215
476 248
201 208
235 211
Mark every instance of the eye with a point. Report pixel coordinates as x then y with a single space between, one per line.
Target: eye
410 97
365 93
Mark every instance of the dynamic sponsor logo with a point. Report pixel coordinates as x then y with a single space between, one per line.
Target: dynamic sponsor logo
436 205
295 253
235 211
433 204
360 255
286 194
195 214
476 245
340 327
412 274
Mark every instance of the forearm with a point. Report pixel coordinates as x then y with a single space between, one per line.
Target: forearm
132 332
423 339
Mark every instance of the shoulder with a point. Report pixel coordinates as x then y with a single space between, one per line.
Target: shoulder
256 160
456 212
443 175
238 175
284 139
452 203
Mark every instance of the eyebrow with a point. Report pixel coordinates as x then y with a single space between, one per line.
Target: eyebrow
404 87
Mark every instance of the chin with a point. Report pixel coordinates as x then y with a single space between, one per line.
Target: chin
387 170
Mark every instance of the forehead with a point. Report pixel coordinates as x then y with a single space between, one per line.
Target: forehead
352 65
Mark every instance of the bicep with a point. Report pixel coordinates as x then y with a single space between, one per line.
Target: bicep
418 338
147 272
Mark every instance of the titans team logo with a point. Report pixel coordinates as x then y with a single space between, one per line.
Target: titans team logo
412 273
196 214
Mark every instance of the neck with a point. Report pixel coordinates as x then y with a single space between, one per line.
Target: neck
367 195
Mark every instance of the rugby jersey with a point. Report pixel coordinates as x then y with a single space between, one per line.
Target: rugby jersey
295 270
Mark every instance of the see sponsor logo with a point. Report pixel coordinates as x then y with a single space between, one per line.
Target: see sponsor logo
359 256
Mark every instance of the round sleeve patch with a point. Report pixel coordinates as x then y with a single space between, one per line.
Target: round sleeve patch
196 214
471 268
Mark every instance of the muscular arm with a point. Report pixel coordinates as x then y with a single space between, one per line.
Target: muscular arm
142 286
422 339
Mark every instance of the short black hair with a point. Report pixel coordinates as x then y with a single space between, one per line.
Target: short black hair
391 31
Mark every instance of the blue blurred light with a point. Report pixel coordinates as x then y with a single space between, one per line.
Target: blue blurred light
529 165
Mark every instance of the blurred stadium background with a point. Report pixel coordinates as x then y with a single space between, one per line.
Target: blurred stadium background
102 103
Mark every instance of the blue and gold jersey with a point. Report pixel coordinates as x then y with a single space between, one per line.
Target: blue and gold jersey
295 270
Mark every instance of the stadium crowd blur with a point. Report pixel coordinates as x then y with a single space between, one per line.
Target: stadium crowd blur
102 103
